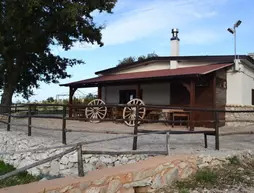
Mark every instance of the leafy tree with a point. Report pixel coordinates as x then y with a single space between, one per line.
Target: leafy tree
28 29
50 100
132 59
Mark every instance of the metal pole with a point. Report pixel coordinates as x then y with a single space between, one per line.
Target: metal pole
235 42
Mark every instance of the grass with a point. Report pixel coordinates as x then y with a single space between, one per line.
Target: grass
21 178
234 173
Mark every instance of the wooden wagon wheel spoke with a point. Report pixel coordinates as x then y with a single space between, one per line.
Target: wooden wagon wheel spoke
129 113
96 114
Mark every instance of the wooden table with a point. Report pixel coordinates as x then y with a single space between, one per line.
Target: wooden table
176 113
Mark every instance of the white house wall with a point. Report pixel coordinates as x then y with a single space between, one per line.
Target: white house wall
156 94
248 85
184 64
148 67
234 88
239 86
161 66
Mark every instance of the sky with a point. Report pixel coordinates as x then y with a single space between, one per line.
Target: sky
139 27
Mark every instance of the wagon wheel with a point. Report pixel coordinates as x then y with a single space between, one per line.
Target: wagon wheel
96 114
129 113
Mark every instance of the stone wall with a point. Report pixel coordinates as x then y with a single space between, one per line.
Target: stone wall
239 119
67 165
142 177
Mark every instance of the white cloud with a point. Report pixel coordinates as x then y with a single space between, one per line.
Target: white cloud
157 16
134 20
201 36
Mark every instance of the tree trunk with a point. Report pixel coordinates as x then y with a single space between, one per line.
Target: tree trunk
6 99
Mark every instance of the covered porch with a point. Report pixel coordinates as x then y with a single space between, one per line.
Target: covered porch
184 87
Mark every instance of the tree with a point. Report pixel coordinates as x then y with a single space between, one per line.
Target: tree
132 59
50 100
28 30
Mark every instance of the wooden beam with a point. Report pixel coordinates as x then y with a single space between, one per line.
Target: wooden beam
71 93
187 86
214 90
192 103
138 92
99 92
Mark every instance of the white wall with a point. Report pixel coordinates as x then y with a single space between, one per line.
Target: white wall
239 86
157 94
183 64
248 85
148 67
234 88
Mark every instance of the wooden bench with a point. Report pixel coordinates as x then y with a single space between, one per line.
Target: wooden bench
176 113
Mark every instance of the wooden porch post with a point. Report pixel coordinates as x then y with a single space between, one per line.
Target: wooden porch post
71 93
192 104
138 92
99 92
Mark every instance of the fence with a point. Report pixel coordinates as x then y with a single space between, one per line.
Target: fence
30 114
30 111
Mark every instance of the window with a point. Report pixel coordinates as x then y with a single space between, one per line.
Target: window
252 96
126 95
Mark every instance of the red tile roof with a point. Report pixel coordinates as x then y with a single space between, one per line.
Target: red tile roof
167 73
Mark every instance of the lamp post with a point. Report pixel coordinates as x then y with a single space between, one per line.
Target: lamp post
233 31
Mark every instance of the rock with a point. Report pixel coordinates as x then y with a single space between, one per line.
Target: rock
182 165
84 185
96 189
100 165
70 165
124 160
65 189
25 162
117 163
131 162
170 176
87 156
34 171
114 186
204 165
44 179
62 167
186 172
88 167
54 168
64 160
157 182
126 190
93 160
73 158
106 160
141 183
76 190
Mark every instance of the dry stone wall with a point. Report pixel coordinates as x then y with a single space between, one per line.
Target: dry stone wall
67 165
239 119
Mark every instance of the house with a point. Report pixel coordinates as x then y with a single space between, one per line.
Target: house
214 81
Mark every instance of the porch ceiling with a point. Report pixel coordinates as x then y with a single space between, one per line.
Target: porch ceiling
148 75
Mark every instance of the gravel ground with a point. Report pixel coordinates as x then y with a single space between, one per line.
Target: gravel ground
187 143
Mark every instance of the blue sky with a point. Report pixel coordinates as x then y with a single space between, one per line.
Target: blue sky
140 27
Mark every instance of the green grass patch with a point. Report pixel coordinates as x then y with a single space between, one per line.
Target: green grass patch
206 176
234 173
234 160
21 178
